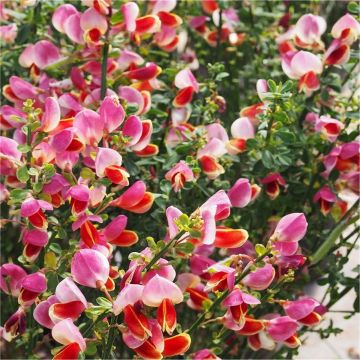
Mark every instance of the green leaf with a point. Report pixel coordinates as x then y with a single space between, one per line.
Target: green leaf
18 195
22 174
267 159
260 249
186 248
272 85
24 148
354 8
55 247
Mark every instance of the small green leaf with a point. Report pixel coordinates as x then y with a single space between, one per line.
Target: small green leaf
22 174
186 248
272 85
24 148
260 249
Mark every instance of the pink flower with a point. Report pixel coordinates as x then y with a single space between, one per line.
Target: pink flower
331 128
281 328
108 164
11 277
261 278
89 127
42 54
347 29
51 116
111 113
31 287
303 310
325 197
291 228
308 31
240 193
79 198
90 268
66 333
273 182
186 82
303 66
34 240
129 295
8 33
33 210
159 288
179 174
9 156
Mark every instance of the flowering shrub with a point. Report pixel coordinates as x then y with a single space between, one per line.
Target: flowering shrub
173 174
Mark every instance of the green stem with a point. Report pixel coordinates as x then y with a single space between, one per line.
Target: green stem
110 339
164 250
341 295
331 239
271 122
202 317
218 40
104 60
347 77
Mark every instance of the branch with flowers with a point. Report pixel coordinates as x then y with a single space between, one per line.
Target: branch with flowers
174 174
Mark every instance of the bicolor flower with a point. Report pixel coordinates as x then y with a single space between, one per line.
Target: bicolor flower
34 240
303 66
346 29
303 311
135 199
94 26
67 334
308 31
330 128
179 174
89 127
134 97
186 83
33 210
108 164
9 156
31 287
11 277
112 113
272 182
242 129
116 234
90 268
325 197
240 194
79 196
261 278
15 325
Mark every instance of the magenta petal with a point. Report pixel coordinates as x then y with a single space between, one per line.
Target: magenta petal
261 278
172 213
291 228
36 282
61 14
104 158
115 228
240 193
281 328
15 275
29 207
41 312
111 113
88 126
90 268
132 128
130 11
300 308
36 237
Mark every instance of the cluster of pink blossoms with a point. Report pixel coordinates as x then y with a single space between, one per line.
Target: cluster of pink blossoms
74 124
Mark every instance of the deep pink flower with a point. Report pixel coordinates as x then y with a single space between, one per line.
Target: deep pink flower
179 174
90 268
11 277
